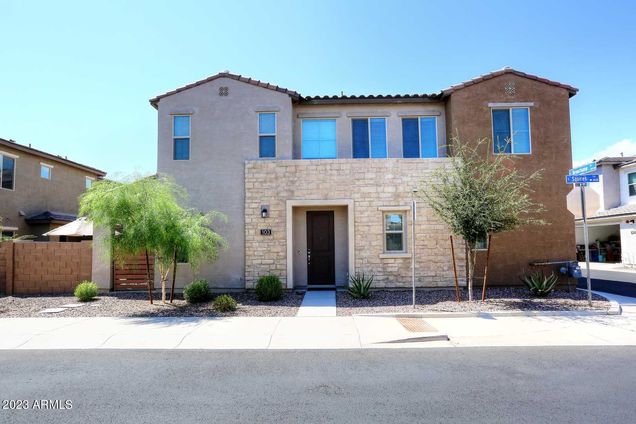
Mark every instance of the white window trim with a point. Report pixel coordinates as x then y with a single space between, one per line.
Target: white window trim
419 134
404 250
189 137
628 184
386 135
50 167
259 134
512 131
91 179
15 166
485 248
301 136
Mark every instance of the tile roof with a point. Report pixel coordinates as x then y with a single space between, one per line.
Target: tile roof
380 98
504 71
28 149
226 74
613 212
48 216
615 160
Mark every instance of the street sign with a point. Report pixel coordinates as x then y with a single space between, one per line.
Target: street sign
577 179
583 169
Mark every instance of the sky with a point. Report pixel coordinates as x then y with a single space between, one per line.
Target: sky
75 77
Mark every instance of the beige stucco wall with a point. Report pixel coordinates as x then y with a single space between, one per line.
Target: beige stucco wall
371 185
393 113
33 194
224 133
299 237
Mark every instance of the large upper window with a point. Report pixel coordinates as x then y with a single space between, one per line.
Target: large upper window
511 130
267 135
419 137
181 137
88 182
45 171
319 139
631 183
369 137
394 233
7 172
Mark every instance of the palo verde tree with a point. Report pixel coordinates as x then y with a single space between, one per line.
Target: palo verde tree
479 194
145 217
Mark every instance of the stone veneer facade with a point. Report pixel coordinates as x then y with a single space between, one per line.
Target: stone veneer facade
372 185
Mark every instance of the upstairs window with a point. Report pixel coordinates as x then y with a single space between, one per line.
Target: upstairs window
419 137
88 182
181 137
368 137
319 139
267 135
511 130
631 183
7 172
45 171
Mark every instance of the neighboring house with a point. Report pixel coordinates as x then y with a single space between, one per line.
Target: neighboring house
39 191
318 188
611 212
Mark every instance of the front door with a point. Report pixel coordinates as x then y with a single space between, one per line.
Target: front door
320 248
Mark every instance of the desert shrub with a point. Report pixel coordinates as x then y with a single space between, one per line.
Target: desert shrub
269 288
197 292
225 303
86 291
539 284
360 286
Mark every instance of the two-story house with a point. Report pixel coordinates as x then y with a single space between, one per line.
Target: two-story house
611 212
39 191
318 188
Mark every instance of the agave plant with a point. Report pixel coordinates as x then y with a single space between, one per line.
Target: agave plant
360 286
539 284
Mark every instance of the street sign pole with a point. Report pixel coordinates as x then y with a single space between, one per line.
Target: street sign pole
587 245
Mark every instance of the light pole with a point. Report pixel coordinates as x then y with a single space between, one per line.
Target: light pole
413 219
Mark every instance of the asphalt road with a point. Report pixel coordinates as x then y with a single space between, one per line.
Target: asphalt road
476 385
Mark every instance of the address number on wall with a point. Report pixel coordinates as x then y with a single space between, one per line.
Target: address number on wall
266 231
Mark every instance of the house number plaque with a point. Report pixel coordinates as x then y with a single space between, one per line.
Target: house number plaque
266 231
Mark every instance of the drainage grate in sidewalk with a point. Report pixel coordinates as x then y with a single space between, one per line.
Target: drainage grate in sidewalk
416 325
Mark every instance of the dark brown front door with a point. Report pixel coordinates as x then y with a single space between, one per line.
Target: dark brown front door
320 248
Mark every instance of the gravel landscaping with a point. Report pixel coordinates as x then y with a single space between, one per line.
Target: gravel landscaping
130 305
499 299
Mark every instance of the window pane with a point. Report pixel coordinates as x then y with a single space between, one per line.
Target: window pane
632 190
393 222
267 146
319 139
181 126
267 123
482 243
631 178
89 183
394 242
181 148
520 131
410 138
428 129
378 137
45 172
360 138
8 167
501 130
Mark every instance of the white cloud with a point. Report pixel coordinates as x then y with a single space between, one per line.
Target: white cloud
625 147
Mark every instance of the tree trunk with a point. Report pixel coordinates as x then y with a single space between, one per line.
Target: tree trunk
174 275
458 295
148 277
483 290
163 289
471 271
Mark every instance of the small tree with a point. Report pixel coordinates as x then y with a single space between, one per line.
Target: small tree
481 193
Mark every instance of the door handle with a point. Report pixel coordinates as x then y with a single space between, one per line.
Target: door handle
308 256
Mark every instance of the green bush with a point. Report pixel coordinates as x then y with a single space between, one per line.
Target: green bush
269 288
539 284
225 303
86 291
197 292
360 286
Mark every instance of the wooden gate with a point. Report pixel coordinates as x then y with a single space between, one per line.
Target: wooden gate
132 275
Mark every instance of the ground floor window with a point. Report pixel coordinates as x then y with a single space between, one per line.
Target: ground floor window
482 243
7 234
394 241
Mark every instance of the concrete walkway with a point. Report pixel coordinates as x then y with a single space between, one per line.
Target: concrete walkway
320 303
322 332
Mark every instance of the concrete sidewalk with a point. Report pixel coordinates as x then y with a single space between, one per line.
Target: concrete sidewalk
318 332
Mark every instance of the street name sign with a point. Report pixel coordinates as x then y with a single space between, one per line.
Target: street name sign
583 169
577 179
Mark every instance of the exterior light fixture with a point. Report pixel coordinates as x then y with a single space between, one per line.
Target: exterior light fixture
264 211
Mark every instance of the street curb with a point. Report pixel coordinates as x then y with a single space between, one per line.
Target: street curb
436 337
615 309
